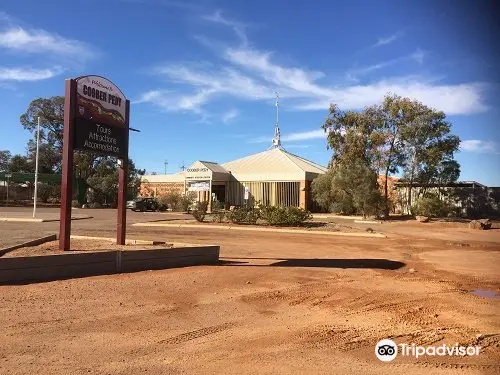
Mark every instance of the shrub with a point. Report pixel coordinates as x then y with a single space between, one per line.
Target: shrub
45 191
244 215
75 204
218 212
253 214
200 211
431 206
187 200
237 215
171 199
284 216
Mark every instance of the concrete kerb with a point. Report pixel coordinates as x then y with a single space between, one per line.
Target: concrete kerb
35 242
276 230
367 222
333 216
31 220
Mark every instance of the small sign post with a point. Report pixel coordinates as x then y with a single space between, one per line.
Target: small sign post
96 119
246 193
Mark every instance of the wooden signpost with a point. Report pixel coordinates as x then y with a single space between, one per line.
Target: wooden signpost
96 119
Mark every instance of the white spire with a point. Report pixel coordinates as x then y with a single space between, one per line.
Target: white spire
276 138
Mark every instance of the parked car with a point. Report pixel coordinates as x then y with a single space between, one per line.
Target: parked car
145 204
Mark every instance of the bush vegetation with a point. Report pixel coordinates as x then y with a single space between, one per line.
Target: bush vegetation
430 205
284 216
218 212
200 211
244 215
249 214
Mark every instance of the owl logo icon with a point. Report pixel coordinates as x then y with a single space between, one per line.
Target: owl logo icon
386 350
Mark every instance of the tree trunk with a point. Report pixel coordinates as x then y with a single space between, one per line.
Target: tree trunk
386 193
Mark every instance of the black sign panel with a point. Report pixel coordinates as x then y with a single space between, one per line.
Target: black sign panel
100 139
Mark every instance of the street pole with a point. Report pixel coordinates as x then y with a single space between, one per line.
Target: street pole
35 196
7 201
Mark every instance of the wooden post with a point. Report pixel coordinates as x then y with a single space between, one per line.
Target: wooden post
67 165
122 200
122 188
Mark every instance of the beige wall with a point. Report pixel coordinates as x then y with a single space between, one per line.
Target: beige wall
290 193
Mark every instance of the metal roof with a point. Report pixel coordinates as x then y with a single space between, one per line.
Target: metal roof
213 166
273 165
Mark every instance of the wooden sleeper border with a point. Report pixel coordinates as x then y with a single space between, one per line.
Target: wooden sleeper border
71 265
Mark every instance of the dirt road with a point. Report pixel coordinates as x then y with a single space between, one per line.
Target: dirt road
277 304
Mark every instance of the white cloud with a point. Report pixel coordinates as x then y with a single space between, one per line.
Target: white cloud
297 146
238 27
419 55
475 145
230 115
388 39
299 136
457 99
293 79
40 41
302 136
172 101
252 74
26 74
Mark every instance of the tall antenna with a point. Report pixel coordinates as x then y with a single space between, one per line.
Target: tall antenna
166 163
183 167
276 138
277 108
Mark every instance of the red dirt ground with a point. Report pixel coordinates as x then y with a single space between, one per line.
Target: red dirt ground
277 304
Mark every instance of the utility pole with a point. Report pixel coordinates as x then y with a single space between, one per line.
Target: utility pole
7 176
35 195
166 163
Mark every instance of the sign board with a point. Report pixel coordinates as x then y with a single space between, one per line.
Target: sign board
100 139
246 193
96 119
99 100
199 186
198 174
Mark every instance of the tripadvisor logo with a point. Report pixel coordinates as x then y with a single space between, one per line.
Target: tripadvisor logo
387 350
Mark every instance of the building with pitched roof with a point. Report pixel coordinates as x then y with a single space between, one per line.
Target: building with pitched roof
273 177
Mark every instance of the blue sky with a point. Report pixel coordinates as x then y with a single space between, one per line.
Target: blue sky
201 76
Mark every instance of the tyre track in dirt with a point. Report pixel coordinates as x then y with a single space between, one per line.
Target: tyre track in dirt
196 334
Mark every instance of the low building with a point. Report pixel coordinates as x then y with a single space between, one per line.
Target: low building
273 177
468 198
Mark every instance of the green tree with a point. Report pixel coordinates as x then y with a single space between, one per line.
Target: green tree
49 158
20 163
51 113
104 181
399 135
5 156
391 118
99 172
351 184
429 149
350 187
